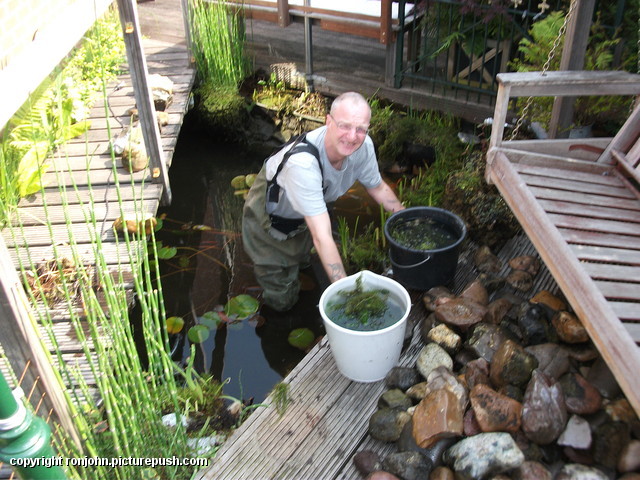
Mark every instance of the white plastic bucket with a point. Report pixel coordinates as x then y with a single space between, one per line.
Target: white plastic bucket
366 356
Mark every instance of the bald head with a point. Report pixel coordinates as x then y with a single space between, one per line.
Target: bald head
350 100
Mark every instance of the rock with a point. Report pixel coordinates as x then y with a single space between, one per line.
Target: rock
476 292
434 452
485 339
162 91
520 280
511 365
431 357
442 377
445 337
609 439
394 398
386 424
134 157
470 424
533 323
437 416
577 434
582 352
367 462
476 372
408 465
483 455
418 391
381 475
630 476
620 410
530 470
576 471
497 310
544 414
629 460
526 263
495 412
402 378
569 328
461 313
600 377
436 296
545 297
580 396
512 391
442 473
486 261
553 360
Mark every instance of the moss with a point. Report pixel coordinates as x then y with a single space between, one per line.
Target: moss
222 109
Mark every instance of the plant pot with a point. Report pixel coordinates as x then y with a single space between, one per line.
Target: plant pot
423 269
366 356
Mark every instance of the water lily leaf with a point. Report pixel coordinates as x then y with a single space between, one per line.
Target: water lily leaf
159 224
175 324
249 179
238 182
166 252
241 306
184 261
211 319
301 338
198 333
201 228
242 192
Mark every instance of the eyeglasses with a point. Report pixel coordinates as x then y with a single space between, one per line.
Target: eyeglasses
347 127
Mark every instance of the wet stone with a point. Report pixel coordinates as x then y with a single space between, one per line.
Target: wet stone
470 424
386 424
483 455
629 460
382 475
431 357
495 412
497 310
442 473
576 471
418 391
526 263
394 398
437 416
486 261
367 461
580 396
569 328
582 352
407 465
485 339
511 364
445 337
602 379
620 410
436 296
476 292
530 470
545 297
609 439
461 313
577 434
476 372
553 359
512 391
442 378
544 414
402 378
534 325
426 325
520 280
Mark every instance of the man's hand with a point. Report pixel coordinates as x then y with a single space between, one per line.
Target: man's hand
320 229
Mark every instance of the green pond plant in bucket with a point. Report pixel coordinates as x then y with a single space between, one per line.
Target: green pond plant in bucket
365 317
424 245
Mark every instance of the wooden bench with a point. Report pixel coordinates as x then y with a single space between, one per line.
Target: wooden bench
578 202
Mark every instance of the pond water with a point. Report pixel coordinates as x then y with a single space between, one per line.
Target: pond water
204 223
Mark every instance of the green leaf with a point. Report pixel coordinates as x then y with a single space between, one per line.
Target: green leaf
184 261
198 333
166 253
241 306
210 319
301 338
175 324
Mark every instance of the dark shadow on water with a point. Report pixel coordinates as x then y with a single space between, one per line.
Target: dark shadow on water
204 223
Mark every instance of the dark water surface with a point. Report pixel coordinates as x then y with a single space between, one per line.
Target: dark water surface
211 266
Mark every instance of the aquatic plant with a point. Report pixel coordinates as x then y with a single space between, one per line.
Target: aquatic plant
360 304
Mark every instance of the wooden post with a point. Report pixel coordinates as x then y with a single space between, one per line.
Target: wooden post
143 96
385 21
284 19
573 53
20 339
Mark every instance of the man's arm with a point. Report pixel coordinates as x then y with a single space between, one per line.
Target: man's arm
385 197
320 229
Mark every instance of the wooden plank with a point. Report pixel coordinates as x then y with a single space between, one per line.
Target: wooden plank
598 317
81 233
619 290
570 208
602 271
626 311
561 147
599 238
584 198
597 225
606 254
634 330
559 173
613 190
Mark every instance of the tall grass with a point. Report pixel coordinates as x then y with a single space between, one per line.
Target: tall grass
218 38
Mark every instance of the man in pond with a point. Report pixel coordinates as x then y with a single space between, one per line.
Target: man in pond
287 209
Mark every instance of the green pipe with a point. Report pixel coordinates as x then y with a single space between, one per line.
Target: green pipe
25 440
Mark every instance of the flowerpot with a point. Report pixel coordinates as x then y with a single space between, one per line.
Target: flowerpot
421 269
366 356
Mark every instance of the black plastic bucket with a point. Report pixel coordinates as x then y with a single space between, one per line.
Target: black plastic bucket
423 269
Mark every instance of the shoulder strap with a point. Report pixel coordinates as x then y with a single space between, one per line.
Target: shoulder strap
300 145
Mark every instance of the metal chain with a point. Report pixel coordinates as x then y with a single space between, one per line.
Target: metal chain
546 66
